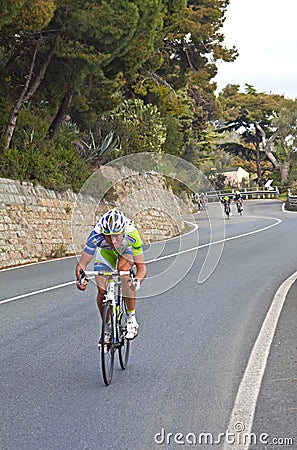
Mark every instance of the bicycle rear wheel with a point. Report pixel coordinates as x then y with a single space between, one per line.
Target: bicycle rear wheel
124 349
108 346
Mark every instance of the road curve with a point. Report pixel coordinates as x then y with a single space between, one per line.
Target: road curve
188 362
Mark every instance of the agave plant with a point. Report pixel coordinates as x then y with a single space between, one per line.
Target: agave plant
92 152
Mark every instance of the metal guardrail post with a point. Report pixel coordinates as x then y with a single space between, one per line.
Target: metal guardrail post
247 194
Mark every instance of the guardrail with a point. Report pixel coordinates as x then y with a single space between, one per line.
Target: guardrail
246 194
292 201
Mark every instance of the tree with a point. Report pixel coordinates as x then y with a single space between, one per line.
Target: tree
62 68
116 29
139 127
177 76
282 155
20 35
253 115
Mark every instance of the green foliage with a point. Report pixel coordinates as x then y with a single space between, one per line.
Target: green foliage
174 143
193 43
34 15
176 186
111 29
245 108
259 118
146 35
32 129
93 153
285 120
142 68
293 188
139 126
9 10
55 167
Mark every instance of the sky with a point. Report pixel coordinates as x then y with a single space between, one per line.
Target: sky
265 35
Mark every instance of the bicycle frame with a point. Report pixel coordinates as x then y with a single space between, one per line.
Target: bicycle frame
227 208
115 309
239 206
113 292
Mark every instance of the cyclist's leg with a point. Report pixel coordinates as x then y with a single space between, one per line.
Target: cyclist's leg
126 262
101 286
105 260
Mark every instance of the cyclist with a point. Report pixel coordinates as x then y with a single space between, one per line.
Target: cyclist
227 202
203 200
238 200
113 239
196 200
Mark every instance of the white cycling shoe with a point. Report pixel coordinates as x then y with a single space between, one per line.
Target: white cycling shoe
132 328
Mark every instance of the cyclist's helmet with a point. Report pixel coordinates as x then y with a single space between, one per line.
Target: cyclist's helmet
237 192
113 222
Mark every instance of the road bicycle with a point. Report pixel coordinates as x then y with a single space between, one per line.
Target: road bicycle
203 204
114 322
227 210
239 207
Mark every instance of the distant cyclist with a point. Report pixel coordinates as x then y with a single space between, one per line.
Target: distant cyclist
203 200
227 200
227 204
115 238
238 200
195 199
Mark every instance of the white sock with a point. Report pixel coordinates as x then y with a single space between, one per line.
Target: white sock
131 313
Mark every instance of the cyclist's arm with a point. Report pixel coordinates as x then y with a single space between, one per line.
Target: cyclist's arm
140 267
137 253
87 253
82 264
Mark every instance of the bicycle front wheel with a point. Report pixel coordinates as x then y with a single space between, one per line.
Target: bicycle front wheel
124 348
108 346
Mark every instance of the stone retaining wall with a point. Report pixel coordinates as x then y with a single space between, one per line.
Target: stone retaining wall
38 223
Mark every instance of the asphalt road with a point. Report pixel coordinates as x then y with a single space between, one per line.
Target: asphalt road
188 361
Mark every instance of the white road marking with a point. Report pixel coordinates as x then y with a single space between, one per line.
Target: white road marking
287 210
247 395
278 221
37 262
18 297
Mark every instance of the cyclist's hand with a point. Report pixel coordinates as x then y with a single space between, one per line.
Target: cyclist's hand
82 285
82 281
134 285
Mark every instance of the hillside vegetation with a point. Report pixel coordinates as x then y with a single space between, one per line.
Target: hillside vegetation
83 83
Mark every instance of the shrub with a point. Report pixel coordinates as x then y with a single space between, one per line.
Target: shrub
51 165
293 188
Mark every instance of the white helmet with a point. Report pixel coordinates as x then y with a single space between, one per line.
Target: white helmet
113 222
